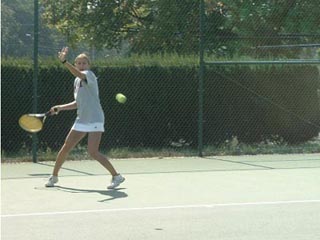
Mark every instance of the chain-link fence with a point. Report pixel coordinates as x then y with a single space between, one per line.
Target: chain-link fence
264 79
258 86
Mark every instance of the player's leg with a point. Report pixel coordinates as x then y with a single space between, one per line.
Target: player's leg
94 139
73 138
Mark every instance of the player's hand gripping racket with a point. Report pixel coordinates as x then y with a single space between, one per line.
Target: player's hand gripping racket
33 123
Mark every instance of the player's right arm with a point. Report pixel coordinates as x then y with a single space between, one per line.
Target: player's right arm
64 107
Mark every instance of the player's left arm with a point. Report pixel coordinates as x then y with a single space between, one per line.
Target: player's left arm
74 71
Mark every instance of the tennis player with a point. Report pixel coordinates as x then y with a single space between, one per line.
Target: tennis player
90 117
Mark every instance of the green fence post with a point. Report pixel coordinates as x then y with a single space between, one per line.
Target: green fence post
35 76
201 80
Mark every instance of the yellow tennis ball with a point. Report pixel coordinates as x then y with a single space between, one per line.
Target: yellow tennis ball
121 98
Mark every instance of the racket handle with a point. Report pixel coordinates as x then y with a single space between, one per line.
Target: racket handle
50 113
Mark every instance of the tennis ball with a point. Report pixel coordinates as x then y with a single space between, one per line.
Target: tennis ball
121 98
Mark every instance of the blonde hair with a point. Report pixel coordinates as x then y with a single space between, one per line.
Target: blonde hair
83 56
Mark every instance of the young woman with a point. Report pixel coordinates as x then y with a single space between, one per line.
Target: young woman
90 117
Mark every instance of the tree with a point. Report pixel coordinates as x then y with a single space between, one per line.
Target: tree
17 24
175 28
149 26
18 31
274 22
155 26
101 23
274 16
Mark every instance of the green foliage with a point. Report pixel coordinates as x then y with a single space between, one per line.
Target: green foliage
149 27
268 18
274 22
99 23
173 26
151 60
15 17
225 149
136 60
262 103
162 106
17 35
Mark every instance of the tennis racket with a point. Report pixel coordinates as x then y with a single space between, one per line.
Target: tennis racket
33 123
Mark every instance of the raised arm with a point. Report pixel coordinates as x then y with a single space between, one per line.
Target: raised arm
74 71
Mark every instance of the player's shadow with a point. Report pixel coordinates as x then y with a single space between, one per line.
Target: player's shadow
112 194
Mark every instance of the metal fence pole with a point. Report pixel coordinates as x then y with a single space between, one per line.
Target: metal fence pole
35 75
201 80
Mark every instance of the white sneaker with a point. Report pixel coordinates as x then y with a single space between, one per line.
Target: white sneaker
116 181
51 181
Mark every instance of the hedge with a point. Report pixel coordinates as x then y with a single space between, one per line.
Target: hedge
251 103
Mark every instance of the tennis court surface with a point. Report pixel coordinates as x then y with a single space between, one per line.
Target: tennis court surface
263 197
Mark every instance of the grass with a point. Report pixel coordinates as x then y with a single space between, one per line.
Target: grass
137 60
228 148
265 148
160 60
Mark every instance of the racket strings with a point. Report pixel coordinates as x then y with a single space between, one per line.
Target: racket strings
30 123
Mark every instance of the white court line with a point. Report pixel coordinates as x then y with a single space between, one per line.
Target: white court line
217 205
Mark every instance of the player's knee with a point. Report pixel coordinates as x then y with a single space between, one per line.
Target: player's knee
93 152
66 148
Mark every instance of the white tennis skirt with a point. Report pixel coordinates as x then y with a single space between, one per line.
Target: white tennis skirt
88 127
